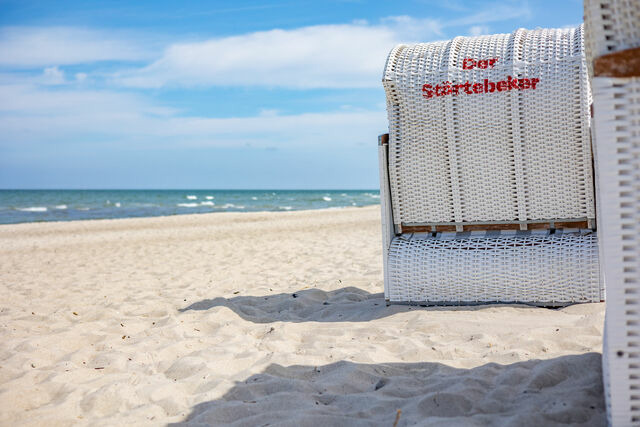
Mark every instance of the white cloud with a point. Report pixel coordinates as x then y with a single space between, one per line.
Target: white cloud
29 100
330 129
28 47
493 12
33 115
53 76
324 56
478 30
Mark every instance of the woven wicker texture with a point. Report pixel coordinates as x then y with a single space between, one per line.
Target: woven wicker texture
617 138
529 267
617 146
613 26
511 155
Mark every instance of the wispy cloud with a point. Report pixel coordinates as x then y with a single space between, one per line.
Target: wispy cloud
478 30
26 47
324 56
53 101
320 56
493 12
53 76
34 115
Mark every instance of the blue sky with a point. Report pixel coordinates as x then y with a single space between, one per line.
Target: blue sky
222 94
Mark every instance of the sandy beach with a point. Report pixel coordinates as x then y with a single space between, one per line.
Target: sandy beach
267 319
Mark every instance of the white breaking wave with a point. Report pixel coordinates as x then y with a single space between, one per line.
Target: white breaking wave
206 203
61 206
117 204
192 197
231 205
210 197
286 208
83 209
34 209
254 198
326 198
188 205
375 196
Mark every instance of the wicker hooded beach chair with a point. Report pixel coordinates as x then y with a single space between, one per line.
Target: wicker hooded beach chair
613 48
486 174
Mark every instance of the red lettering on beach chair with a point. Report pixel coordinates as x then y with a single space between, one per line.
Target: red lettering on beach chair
454 89
470 63
426 91
489 86
513 83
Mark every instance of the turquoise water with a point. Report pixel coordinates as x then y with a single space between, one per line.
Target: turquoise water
67 205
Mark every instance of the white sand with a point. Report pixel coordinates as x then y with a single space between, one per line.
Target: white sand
268 318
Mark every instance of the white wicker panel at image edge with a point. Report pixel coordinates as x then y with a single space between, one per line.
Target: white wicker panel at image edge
612 26
503 156
617 138
532 267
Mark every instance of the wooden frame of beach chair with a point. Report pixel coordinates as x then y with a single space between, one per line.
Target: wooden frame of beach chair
486 173
613 51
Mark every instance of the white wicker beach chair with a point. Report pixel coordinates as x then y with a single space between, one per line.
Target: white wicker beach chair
613 49
486 173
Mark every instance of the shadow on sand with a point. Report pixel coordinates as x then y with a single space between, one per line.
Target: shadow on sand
561 391
348 304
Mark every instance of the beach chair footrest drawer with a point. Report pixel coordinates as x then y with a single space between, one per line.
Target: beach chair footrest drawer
541 268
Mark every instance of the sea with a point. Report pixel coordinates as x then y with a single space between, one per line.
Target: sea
18 206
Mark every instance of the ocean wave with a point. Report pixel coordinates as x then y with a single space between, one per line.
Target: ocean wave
188 205
210 197
117 204
231 205
192 197
326 198
83 209
286 208
33 209
207 203
254 198
61 206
